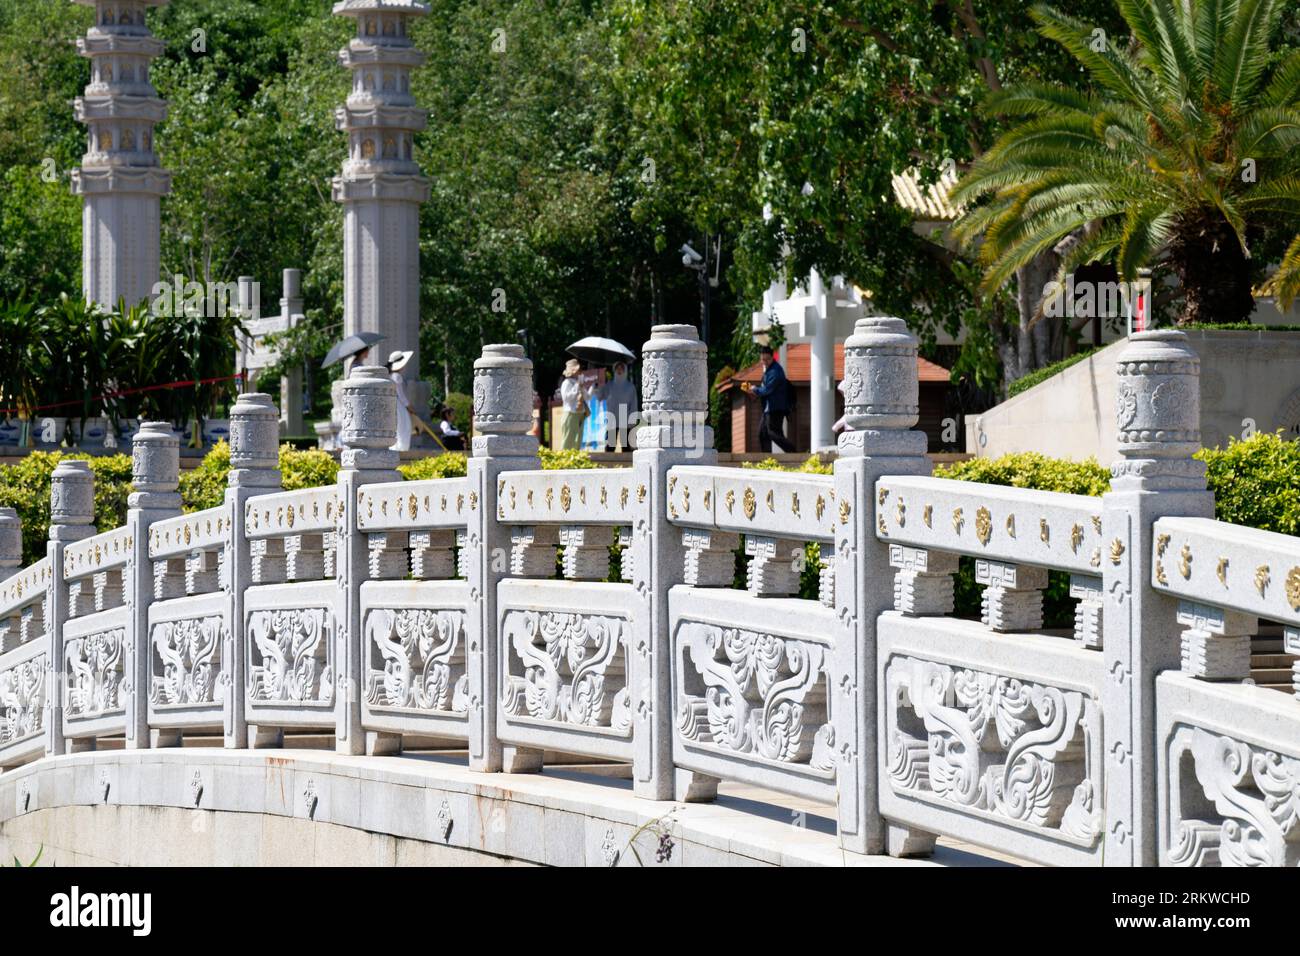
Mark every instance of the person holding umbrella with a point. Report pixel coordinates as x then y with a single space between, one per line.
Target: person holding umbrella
619 395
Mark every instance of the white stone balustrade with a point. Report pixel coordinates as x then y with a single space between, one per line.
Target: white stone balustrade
377 611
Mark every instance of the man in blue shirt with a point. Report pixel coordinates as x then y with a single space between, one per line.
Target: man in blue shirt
774 390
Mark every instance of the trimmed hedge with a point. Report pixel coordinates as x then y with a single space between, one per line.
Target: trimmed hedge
205 485
25 486
1047 371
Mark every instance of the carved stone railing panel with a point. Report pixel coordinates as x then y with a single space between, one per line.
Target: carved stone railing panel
205 530
750 501
606 496
25 675
189 679
1228 774
1014 525
754 689
96 678
23 588
289 640
992 738
564 652
415 678
111 549
409 505
308 511
1228 566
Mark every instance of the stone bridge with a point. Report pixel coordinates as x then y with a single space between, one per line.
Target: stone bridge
449 638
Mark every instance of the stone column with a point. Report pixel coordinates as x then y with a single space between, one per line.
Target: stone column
881 404
1158 414
369 429
119 180
503 408
381 186
155 476
11 542
821 367
72 516
674 408
254 470
291 422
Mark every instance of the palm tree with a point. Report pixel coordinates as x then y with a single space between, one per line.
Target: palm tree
1187 155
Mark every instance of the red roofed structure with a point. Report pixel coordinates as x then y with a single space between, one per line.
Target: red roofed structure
746 412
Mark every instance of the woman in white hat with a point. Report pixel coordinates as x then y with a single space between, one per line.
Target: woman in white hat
396 362
573 401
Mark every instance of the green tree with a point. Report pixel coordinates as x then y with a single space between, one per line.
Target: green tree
1183 157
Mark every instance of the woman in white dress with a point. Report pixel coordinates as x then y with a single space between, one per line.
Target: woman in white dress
396 362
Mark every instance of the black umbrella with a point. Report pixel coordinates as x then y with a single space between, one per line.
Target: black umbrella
600 351
350 347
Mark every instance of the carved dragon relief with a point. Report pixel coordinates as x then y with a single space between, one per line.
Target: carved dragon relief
94 680
417 659
22 700
1231 803
569 668
748 692
993 744
290 655
186 660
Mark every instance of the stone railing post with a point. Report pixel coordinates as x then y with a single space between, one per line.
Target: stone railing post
11 542
674 407
881 404
503 412
1158 414
254 470
155 476
72 516
369 401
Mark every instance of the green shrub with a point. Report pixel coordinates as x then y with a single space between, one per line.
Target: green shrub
1031 470
813 466
25 486
572 458
1046 372
204 486
1026 470
1256 482
450 464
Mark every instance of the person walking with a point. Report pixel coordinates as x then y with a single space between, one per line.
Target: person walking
774 390
396 362
573 400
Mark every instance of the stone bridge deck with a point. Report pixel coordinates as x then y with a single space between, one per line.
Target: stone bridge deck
303 806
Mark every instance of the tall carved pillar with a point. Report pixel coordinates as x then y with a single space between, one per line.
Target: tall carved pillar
155 476
503 411
72 517
674 408
881 406
254 470
120 181
369 429
1158 415
381 187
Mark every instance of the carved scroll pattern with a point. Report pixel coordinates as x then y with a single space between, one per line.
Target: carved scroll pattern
994 744
290 655
749 692
1232 803
417 659
22 700
94 682
567 667
187 660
